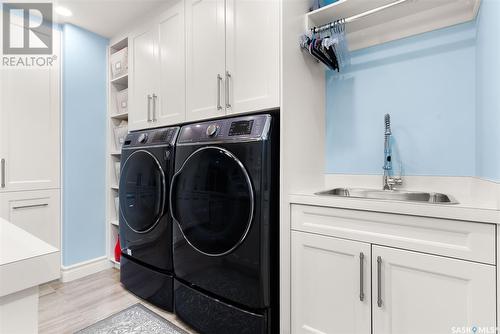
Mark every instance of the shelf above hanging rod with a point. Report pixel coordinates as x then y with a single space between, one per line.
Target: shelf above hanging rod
375 22
360 16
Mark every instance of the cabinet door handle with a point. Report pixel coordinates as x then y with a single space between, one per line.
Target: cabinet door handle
154 107
228 77
379 281
29 206
219 82
149 108
3 172
361 278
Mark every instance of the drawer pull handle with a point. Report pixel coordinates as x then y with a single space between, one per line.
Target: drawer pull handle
30 206
3 173
379 281
361 279
219 82
228 77
149 108
155 97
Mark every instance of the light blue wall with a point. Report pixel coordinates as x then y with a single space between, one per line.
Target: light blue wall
488 91
84 145
428 85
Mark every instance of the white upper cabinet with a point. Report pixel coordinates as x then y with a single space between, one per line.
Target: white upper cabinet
203 59
252 55
144 77
331 291
205 38
421 293
29 129
157 83
232 57
172 93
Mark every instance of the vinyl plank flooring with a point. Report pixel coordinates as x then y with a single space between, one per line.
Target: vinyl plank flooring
65 308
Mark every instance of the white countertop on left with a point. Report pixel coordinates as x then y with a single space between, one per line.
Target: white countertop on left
25 260
17 245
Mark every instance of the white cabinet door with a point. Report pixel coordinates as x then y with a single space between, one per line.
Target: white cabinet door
253 44
37 212
205 58
422 293
330 285
144 78
29 128
172 93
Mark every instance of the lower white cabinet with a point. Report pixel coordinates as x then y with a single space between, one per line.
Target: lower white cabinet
37 212
331 290
408 292
421 293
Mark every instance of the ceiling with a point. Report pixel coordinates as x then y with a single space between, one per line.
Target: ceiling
108 18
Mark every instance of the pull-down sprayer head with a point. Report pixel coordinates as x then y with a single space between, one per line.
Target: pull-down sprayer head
387 119
387 143
389 181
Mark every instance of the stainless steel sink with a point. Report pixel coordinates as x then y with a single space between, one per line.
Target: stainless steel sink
395 195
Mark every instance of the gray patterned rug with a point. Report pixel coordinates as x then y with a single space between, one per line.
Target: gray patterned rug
137 319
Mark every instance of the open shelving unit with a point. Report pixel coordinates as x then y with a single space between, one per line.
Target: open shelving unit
400 18
115 117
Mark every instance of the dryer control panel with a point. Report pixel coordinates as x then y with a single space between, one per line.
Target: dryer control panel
245 128
153 137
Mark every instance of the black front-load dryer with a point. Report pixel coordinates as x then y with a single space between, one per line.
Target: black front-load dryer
146 267
224 201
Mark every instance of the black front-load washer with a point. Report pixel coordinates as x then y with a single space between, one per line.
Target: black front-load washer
224 201
146 267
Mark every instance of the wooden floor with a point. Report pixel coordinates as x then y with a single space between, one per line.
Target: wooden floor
68 307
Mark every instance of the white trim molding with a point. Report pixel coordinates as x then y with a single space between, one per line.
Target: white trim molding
85 268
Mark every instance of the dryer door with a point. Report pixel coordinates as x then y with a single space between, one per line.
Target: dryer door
142 191
212 200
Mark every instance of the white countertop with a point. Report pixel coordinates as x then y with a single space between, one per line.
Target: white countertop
17 245
25 260
467 211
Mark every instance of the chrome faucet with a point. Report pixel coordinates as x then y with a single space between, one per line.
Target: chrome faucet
389 180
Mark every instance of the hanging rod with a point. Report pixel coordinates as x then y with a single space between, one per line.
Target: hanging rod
359 16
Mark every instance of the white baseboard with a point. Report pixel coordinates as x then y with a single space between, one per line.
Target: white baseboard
82 269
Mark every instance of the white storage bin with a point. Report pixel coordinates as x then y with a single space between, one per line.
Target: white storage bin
117 172
119 63
122 101
117 207
120 134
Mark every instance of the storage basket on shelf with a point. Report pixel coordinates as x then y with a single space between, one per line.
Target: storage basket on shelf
117 171
119 63
117 207
120 133
122 101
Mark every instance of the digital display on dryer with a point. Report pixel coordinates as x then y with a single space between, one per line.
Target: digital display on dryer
241 128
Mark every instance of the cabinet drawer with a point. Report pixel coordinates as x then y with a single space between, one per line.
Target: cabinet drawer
452 238
36 212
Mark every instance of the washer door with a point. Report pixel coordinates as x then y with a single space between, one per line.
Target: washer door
142 191
212 200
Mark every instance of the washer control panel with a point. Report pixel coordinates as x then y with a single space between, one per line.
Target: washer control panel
162 136
245 128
